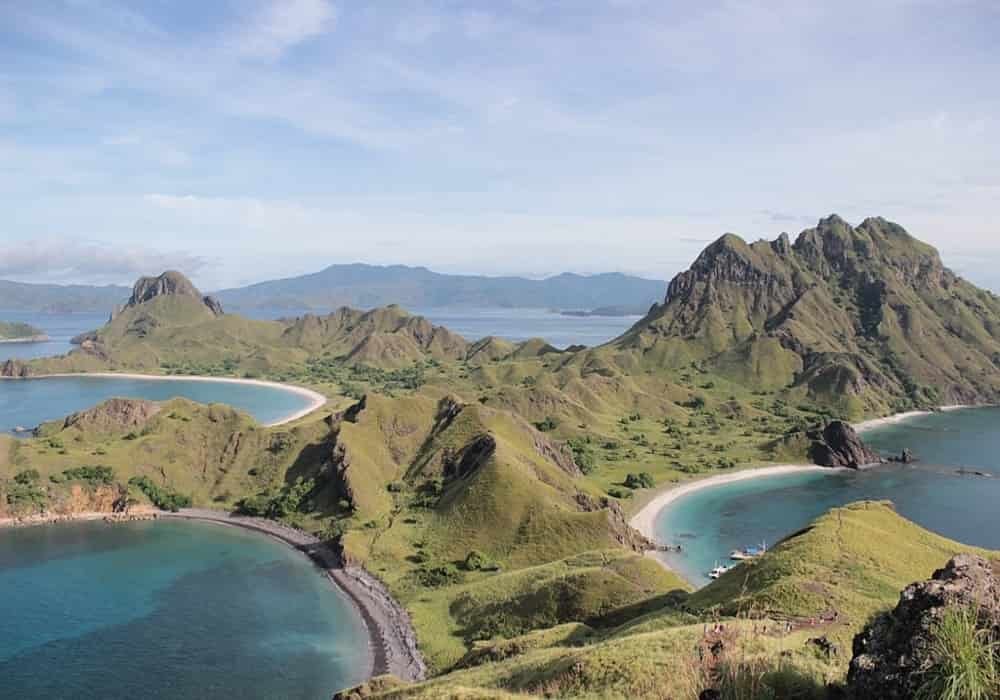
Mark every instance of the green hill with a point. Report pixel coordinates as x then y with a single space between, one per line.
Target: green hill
20 331
823 582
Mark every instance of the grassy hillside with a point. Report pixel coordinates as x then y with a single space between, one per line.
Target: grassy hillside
761 618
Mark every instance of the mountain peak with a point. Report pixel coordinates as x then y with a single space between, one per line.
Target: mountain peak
170 283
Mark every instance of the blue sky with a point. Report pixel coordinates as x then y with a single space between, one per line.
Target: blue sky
250 139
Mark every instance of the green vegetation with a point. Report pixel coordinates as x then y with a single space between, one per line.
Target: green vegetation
474 478
289 499
93 475
966 664
19 331
161 497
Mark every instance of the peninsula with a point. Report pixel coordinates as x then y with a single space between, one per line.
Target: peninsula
21 333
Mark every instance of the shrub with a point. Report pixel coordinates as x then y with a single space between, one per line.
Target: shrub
643 480
965 660
477 561
162 497
28 476
548 424
93 475
582 455
437 576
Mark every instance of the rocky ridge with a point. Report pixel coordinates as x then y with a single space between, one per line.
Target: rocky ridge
892 654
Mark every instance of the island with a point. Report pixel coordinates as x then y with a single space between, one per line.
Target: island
14 332
490 495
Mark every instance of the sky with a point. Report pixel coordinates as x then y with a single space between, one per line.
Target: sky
241 140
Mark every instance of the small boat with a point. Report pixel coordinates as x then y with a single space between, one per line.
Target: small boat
748 552
717 571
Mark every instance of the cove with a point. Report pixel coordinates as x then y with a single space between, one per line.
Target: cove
170 609
29 402
710 523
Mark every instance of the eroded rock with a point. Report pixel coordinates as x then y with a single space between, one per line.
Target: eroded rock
838 445
892 652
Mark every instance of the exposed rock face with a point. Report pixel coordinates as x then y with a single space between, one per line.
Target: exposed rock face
14 368
893 650
838 445
113 416
169 283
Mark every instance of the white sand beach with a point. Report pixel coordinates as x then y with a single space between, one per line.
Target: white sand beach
645 520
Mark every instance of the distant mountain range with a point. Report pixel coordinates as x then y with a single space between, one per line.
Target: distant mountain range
370 286
21 296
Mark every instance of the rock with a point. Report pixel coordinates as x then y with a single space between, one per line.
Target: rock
838 445
904 457
892 652
114 414
14 368
169 283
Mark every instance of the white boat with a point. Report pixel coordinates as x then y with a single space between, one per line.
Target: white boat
717 571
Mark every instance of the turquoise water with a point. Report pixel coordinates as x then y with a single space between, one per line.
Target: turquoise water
711 523
28 402
159 610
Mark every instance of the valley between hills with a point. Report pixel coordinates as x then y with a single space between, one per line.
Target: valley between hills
489 485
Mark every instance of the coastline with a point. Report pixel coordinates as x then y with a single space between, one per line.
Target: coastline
895 418
26 339
644 520
316 399
392 642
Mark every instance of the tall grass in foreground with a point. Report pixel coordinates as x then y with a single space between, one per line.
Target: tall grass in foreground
965 660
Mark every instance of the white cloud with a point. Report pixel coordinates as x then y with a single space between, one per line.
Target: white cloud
73 260
283 24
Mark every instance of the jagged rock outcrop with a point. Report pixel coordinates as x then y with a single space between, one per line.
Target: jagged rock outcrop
170 283
838 445
15 368
862 317
892 652
113 416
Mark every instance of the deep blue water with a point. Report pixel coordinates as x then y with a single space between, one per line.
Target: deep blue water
161 610
712 522
28 402
59 327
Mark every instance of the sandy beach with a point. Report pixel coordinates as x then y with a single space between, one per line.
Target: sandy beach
316 399
645 520
907 415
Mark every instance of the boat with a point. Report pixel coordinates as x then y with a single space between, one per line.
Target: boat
718 571
748 552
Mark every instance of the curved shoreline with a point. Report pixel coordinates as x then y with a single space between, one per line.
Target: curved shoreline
316 399
392 642
645 519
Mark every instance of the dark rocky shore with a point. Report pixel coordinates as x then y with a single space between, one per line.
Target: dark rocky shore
393 643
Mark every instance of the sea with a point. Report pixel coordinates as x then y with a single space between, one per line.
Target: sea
710 523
